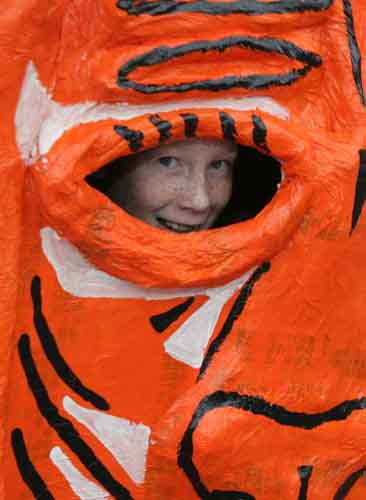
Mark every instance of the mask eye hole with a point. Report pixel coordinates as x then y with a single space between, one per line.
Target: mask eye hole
255 182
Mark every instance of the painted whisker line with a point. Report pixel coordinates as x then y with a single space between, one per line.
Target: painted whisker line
27 470
63 427
233 315
161 322
53 354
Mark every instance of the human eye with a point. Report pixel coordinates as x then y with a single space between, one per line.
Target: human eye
221 165
168 161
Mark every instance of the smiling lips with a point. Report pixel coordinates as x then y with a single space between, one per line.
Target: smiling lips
178 227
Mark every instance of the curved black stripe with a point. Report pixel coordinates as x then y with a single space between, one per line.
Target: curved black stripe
269 45
360 192
26 468
233 315
258 406
133 137
53 354
230 495
260 133
346 487
162 321
277 413
163 126
248 7
63 427
251 82
190 124
356 59
227 126
305 472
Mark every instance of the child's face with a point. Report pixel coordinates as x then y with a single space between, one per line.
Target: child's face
181 187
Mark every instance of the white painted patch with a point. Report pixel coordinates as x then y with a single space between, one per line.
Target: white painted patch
80 485
33 108
41 121
80 278
128 442
189 342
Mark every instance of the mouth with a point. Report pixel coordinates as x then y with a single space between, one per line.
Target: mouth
178 227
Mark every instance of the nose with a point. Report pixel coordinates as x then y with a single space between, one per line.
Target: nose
195 196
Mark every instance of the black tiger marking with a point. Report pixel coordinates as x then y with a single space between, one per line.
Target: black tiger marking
162 54
274 412
54 355
248 7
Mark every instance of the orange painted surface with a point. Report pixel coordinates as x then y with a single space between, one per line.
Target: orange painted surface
293 355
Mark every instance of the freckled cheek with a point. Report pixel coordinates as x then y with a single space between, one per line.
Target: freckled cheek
158 192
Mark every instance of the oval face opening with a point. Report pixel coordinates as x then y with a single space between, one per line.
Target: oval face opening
255 223
254 179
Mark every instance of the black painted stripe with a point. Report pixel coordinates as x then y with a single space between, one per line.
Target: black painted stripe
63 427
305 472
53 354
230 495
248 7
260 133
347 486
360 191
233 315
133 137
251 82
30 475
190 124
227 126
277 413
162 321
163 126
354 48
255 81
259 406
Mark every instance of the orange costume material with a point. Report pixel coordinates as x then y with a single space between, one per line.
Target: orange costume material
221 364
